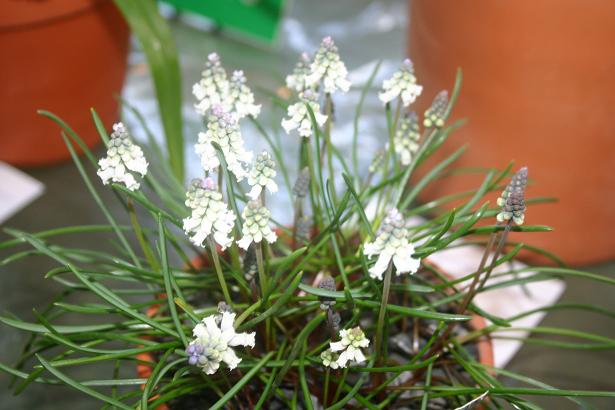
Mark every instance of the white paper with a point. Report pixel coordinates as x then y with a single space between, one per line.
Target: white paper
17 190
504 302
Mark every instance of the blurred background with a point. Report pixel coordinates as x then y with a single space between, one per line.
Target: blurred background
538 89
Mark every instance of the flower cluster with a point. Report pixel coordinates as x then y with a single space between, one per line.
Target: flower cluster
262 175
512 199
213 341
434 115
223 129
256 225
328 68
299 117
350 345
298 79
402 84
210 215
214 89
392 244
329 359
240 97
124 160
407 137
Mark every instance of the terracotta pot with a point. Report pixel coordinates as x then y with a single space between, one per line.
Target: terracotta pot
538 88
63 56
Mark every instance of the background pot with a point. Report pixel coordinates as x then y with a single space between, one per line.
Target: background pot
538 88
64 56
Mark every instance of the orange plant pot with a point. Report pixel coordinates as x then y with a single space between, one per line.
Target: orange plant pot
64 56
538 88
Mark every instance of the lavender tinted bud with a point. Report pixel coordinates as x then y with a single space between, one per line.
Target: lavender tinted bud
302 185
512 199
328 283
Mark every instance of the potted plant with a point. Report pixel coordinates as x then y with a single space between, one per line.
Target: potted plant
213 304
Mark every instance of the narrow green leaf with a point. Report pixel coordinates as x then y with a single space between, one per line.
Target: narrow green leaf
75 384
416 312
159 47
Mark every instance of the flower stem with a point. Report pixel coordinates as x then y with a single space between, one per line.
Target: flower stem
147 251
262 278
381 315
326 391
329 114
214 256
392 132
340 385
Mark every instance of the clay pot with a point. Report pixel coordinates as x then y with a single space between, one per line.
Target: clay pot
64 56
538 88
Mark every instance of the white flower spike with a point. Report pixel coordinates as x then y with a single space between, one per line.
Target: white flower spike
353 340
328 67
402 84
210 215
256 225
392 244
124 159
406 138
298 79
223 129
241 98
299 116
262 176
213 88
213 343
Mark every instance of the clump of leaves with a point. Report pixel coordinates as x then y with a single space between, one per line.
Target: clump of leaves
342 309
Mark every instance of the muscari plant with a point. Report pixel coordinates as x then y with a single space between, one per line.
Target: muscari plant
220 306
